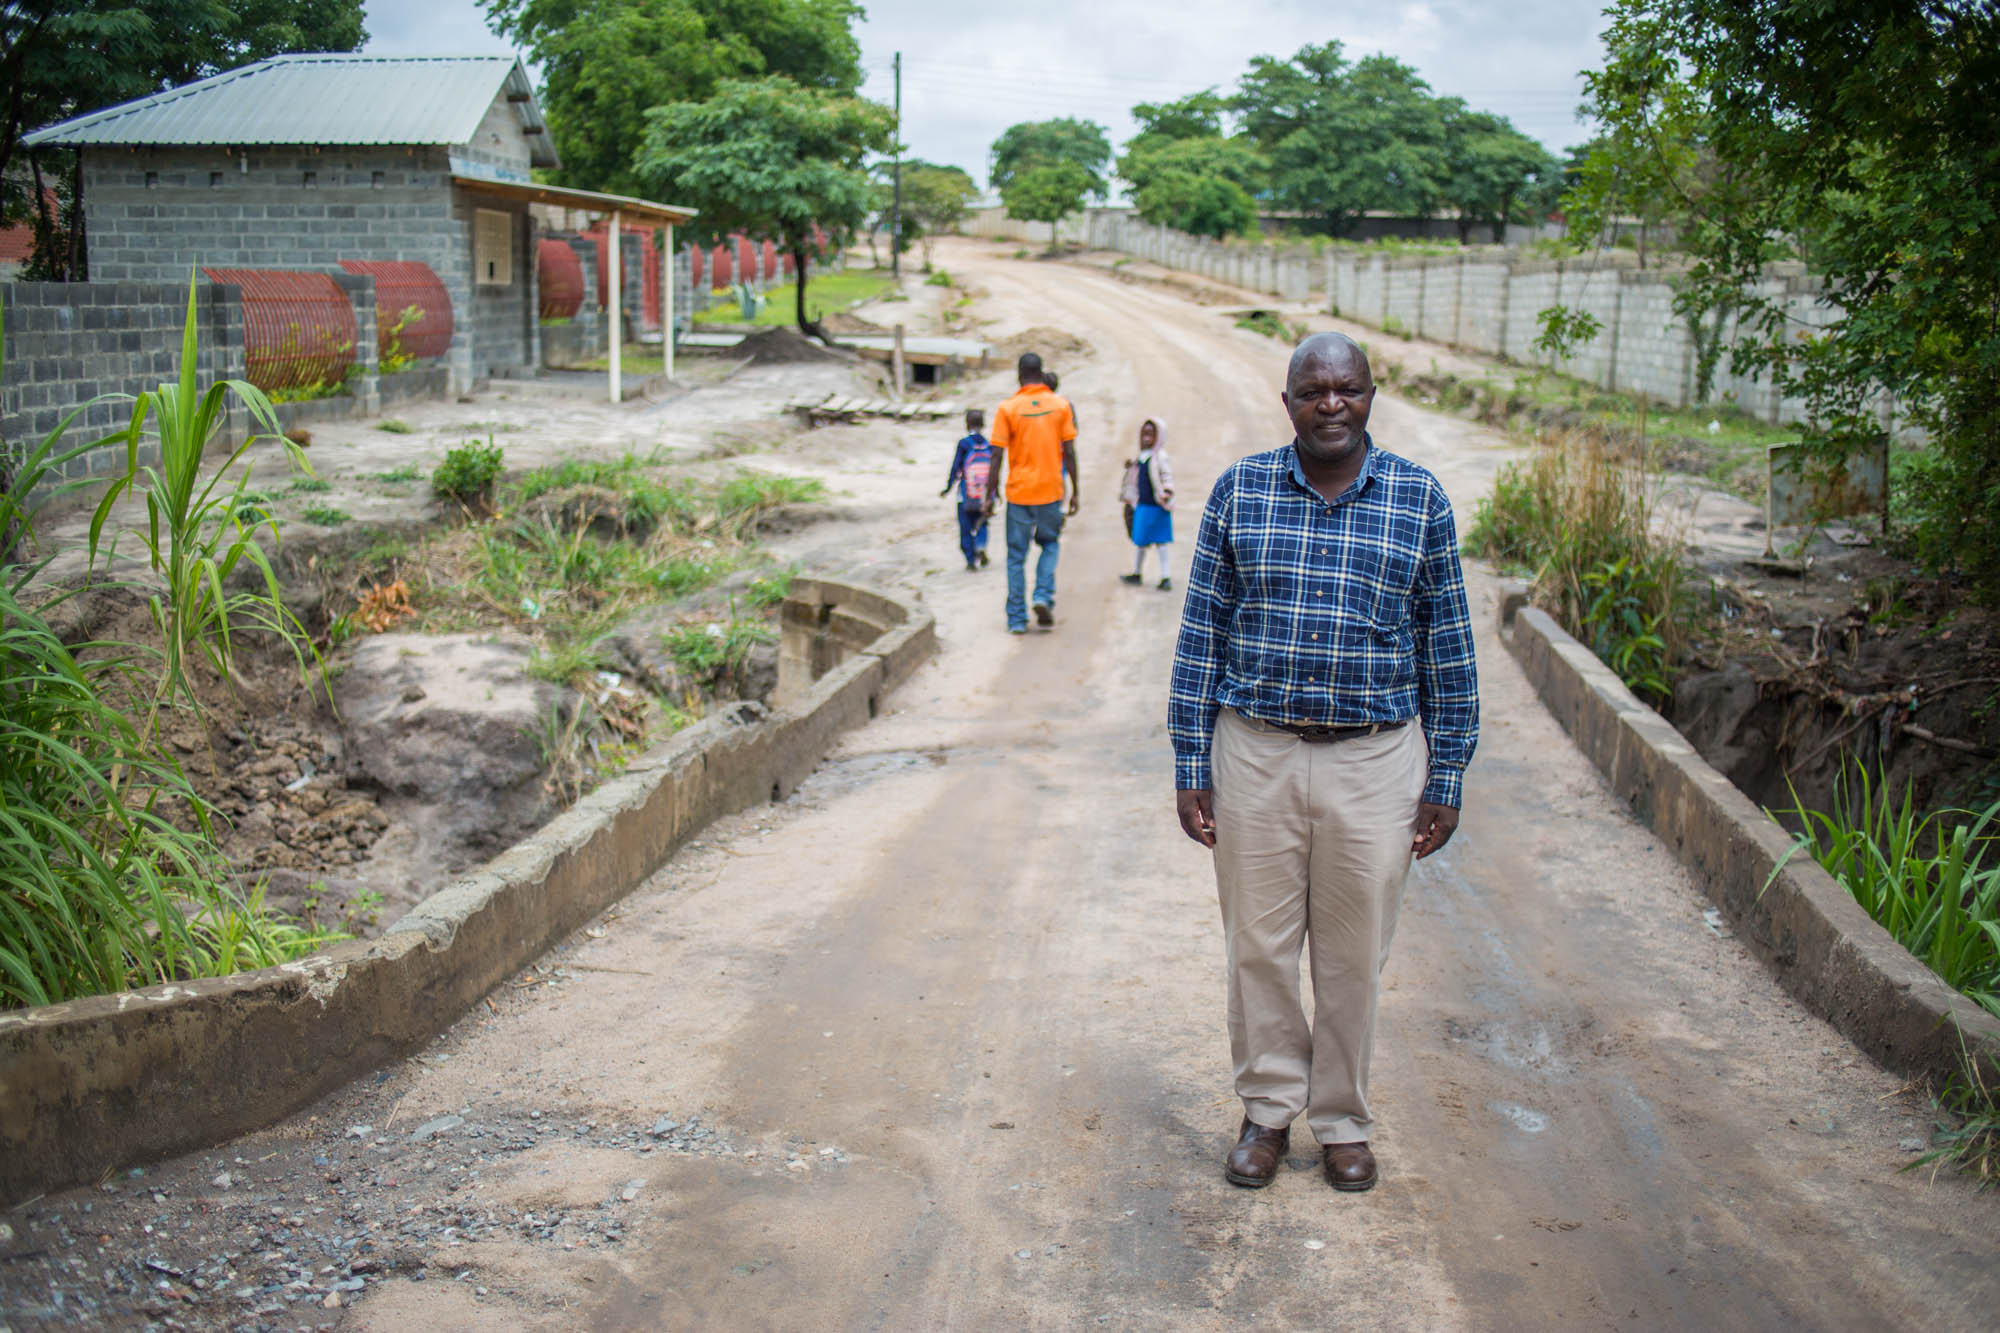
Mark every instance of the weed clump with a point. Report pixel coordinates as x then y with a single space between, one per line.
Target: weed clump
1578 522
468 474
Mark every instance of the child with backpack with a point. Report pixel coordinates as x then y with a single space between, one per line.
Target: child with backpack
1148 493
971 469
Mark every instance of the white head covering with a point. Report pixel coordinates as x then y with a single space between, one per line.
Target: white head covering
1159 433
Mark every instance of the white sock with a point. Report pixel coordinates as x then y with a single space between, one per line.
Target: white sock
1139 564
1166 560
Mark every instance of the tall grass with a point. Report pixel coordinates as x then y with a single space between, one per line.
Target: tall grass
110 875
101 887
199 526
1579 521
1932 880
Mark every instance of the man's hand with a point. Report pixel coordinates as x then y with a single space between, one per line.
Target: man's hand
946 491
1197 811
1075 501
1435 825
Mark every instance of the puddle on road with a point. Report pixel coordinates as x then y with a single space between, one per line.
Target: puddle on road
1520 1117
1528 1048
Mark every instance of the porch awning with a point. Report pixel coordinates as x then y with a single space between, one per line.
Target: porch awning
633 212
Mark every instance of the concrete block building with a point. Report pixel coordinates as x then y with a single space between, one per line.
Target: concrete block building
306 161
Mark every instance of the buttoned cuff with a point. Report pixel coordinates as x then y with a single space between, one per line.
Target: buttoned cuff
1192 773
1446 787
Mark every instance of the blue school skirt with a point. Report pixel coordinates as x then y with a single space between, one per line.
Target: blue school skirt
1152 526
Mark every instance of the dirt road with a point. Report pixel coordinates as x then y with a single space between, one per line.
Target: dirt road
939 1042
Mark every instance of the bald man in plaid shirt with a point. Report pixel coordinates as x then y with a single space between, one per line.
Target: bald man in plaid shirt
1323 708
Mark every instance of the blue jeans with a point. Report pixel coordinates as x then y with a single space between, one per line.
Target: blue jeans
1043 524
971 529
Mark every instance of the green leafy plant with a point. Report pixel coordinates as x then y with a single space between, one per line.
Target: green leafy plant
110 876
390 357
1579 522
772 589
1267 322
394 426
407 472
1967 1133
1932 881
311 486
939 278
707 650
1623 624
196 535
468 474
326 516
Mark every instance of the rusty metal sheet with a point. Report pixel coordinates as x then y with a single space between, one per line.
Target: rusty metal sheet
1800 491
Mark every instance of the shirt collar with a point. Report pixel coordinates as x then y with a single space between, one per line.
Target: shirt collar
1354 487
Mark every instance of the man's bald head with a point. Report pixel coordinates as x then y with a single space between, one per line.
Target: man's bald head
1335 349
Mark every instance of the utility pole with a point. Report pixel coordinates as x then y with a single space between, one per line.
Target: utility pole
896 217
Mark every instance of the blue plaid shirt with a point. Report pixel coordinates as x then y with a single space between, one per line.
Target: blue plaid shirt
1330 614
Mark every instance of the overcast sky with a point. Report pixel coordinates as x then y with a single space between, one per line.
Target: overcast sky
969 73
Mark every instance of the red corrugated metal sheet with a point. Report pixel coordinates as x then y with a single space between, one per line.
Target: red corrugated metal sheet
561 278
721 267
298 328
695 254
649 270
409 295
770 261
746 257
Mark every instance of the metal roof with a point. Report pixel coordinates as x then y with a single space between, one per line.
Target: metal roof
321 98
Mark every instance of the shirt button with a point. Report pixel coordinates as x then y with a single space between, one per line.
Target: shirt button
1315 636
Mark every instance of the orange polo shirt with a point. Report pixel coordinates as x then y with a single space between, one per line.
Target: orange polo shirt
1032 427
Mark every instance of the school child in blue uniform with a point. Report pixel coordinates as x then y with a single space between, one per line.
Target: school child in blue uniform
1148 493
971 469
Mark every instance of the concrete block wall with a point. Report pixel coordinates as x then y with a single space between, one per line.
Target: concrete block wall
1489 300
1482 306
1404 297
68 344
1437 304
495 325
157 213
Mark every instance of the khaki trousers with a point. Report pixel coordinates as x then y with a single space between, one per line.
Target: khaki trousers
1312 842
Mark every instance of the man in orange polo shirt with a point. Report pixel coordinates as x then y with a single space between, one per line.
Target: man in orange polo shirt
1034 447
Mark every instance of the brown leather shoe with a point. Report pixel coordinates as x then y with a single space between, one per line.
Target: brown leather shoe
1253 1162
1350 1166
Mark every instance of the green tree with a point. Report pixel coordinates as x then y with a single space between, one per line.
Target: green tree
1857 136
1196 116
769 157
1047 143
1345 137
1200 185
1046 194
606 62
936 199
1493 173
65 59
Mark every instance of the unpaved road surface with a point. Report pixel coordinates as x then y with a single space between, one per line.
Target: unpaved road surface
939 1042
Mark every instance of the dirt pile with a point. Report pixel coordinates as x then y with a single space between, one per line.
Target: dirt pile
1052 345
785 346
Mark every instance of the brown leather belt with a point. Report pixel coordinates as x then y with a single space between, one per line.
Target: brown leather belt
1318 735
